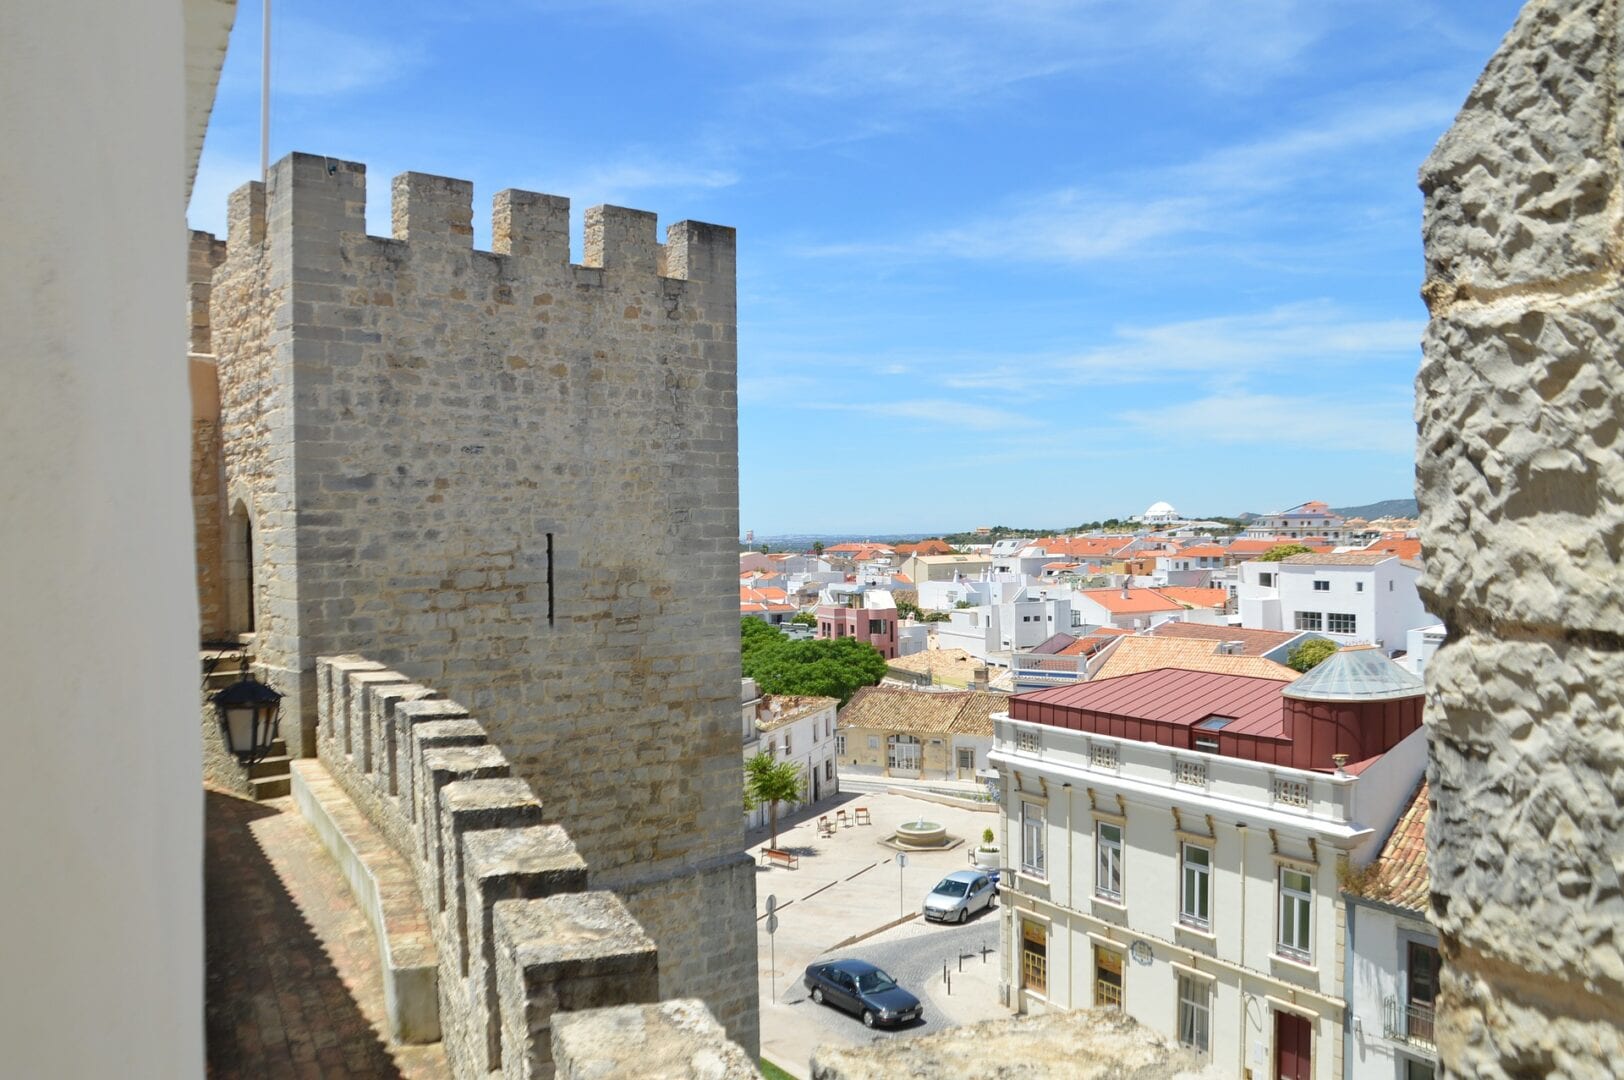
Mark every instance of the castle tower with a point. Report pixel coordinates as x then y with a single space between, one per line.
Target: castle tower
515 479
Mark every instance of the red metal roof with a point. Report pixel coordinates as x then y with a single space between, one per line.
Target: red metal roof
1168 696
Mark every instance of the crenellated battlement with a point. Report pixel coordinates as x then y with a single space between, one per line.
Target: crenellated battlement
320 199
517 935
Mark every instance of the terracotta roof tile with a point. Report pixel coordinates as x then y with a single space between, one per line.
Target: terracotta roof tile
1346 558
1133 655
1253 642
791 707
1137 600
1399 875
923 712
1199 598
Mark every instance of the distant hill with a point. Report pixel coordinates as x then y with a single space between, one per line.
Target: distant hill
1400 508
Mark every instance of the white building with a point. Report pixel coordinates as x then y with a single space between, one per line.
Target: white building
1393 964
1352 598
1177 840
991 631
1301 522
1421 644
798 729
1159 513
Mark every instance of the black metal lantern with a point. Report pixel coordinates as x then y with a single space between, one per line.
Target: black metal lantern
249 712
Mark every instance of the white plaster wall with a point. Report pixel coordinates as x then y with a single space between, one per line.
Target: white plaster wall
1378 943
101 818
1065 901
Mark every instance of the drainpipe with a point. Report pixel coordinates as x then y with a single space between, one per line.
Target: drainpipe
1071 871
1240 978
1350 910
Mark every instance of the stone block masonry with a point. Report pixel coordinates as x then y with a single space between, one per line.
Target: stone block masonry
514 480
516 935
1521 486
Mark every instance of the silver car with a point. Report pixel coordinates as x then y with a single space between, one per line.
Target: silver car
959 895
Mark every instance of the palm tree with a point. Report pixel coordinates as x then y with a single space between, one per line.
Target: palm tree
772 782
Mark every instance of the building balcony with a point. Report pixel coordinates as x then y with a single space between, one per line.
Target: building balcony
1409 1022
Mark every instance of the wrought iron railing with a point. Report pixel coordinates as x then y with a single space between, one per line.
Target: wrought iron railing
1409 1021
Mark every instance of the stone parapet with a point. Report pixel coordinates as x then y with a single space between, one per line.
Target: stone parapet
675 1040
516 935
1520 480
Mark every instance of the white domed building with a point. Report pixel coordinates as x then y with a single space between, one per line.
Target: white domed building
1160 514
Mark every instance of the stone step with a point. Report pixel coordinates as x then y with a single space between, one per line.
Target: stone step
276 765
270 787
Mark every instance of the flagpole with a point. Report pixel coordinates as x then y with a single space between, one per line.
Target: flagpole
265 92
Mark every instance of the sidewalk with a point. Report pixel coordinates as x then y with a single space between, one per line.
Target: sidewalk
848 885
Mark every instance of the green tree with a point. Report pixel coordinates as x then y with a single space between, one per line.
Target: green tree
936 616
764 549
828 668
804 618
1310 653
962 604
771 782
908 610
817 547
1284 551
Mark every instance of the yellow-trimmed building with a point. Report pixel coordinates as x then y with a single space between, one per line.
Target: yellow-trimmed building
892 731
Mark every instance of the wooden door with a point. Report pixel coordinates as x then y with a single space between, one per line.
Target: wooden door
1293 1047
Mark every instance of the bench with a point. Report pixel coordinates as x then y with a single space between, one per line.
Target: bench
781 858
861 814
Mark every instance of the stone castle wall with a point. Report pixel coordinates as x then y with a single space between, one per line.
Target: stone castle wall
1521 485
514 479
203 254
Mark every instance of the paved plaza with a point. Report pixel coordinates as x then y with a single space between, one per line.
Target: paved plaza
847 887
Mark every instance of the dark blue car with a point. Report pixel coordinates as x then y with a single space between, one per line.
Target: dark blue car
863 990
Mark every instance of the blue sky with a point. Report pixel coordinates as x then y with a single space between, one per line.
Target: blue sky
1027 263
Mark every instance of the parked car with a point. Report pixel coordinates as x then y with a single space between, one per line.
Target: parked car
862 990
960 895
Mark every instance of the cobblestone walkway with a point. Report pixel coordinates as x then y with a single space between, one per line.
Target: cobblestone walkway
293 989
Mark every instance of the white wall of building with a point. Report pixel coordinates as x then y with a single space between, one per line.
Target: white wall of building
1237 956
1421 644
1383 599
1378 957
102 824
809 741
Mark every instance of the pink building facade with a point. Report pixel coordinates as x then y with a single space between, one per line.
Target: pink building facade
862 612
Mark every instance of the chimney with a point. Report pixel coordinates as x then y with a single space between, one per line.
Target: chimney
1232 648
978 681
1124 590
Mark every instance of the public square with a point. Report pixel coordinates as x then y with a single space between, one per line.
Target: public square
849 898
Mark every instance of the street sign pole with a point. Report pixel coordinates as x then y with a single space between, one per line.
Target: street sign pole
902 864
772 943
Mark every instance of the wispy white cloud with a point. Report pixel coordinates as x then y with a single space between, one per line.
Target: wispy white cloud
1320 423
1155 212
1296 336
935 412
